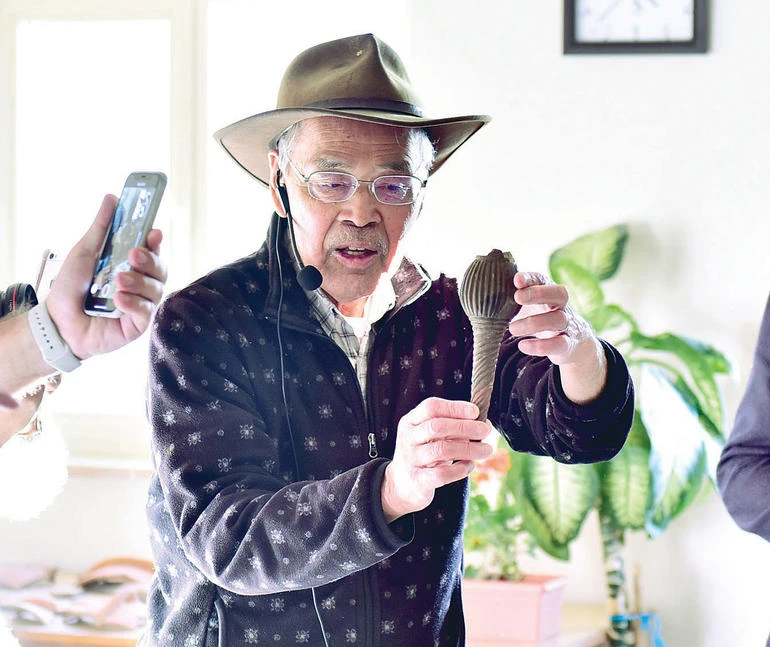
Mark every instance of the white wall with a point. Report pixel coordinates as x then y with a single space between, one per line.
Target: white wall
674 145
677 146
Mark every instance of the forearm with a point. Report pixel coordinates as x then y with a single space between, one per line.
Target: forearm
303 535
743 473
23 362
536 416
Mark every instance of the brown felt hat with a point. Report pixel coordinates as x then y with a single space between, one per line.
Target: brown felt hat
359 78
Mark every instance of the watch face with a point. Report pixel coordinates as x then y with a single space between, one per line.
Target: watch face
634 21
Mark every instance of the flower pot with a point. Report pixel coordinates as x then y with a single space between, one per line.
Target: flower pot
520 614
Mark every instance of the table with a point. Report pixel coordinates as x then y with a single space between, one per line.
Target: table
582 626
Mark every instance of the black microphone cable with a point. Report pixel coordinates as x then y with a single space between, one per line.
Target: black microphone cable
283 378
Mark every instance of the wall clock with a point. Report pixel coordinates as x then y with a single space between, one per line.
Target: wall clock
635 26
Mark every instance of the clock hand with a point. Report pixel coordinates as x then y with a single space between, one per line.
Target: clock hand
610 9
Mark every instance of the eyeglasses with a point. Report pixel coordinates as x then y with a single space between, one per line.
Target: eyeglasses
336 186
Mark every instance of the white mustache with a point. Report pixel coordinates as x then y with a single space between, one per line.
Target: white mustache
359 238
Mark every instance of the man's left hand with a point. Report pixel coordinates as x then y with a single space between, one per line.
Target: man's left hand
139 291
552 329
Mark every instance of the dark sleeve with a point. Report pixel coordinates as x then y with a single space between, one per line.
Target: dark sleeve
535 416
226 485
743 473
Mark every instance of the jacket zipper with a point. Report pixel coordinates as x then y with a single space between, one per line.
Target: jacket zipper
370 636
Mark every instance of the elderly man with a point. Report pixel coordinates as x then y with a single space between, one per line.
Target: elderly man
311 424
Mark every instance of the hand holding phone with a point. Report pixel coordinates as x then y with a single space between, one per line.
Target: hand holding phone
131 222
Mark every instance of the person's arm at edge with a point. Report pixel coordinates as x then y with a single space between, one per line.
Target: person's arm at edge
139 292
743 472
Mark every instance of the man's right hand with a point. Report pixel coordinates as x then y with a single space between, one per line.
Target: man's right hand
437 444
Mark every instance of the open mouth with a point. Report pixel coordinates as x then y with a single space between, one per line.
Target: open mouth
355 252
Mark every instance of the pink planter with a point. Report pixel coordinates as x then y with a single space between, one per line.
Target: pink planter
521 614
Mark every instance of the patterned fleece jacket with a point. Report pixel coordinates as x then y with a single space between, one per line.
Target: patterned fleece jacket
265 513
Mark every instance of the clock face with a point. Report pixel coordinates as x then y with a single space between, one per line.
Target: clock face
634 21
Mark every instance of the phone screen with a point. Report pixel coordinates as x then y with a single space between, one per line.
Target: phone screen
129 227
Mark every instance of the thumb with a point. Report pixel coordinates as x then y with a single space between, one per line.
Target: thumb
91 243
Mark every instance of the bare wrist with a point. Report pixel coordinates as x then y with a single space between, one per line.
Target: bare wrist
388 498
584 379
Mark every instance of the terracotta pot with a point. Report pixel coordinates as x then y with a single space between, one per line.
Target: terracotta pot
518 613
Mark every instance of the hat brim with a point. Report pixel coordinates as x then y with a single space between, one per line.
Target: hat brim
249 140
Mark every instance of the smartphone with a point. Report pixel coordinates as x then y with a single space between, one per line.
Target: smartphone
49 268
129 227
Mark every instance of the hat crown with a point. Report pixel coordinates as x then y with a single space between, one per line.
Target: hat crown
354 72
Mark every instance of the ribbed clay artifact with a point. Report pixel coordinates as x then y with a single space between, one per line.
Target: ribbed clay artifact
486 295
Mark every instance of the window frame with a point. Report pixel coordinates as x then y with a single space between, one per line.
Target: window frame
185 198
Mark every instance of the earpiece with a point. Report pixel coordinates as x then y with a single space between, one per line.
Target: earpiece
308 276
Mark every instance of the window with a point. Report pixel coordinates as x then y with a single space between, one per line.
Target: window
92 98
91 90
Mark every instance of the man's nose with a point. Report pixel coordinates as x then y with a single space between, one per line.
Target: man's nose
362 208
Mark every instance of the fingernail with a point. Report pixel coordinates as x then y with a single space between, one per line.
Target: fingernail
143 258
127 280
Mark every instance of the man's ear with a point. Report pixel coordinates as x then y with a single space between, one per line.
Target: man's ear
272 157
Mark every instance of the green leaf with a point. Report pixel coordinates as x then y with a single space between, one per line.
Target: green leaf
638 436
709 425
611 316
585 292
716 360
599 252
540 532
698 363
679 494
555 499
678 459
627 487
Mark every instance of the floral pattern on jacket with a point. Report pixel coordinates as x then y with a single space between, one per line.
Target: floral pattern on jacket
266 519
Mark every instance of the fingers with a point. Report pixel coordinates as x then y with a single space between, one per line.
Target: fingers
441 432
147 261
534 289
140 289
438 407
544 309
7 402
437 443
154 239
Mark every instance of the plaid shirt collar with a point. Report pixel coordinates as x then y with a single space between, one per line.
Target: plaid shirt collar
341 329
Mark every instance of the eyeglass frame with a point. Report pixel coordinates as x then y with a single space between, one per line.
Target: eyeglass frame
306 180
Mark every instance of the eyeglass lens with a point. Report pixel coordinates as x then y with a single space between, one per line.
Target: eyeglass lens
338 187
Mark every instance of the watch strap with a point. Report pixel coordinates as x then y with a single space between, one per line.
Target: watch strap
55 350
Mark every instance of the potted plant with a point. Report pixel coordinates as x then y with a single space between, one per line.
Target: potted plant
678 429
500 602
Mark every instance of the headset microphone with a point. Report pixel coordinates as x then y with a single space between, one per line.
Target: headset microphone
308 276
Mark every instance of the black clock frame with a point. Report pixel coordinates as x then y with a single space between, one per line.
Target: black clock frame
698 44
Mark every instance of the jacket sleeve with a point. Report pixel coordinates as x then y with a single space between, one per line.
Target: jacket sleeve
535 416
743 473
227 485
